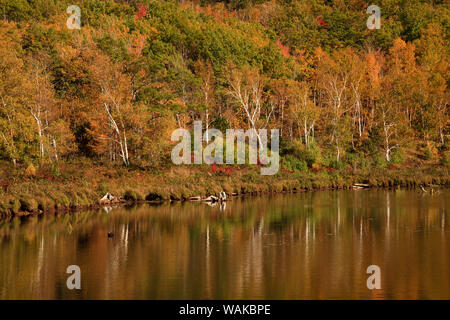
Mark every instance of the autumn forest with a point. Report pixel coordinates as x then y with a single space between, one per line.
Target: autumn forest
92 109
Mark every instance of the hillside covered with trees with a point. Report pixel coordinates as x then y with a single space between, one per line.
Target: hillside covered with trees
349 101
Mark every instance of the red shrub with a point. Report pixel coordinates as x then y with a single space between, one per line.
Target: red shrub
142 12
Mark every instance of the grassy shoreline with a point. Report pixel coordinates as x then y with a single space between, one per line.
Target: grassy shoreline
81 185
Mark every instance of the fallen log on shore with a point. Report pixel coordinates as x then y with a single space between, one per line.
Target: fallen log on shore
358 186
109 198
211 199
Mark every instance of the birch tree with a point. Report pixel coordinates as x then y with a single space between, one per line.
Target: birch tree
433 56
393 117
246 90
10 91
115 101
358 88
390 122
208 82
303 110
334 78
40 99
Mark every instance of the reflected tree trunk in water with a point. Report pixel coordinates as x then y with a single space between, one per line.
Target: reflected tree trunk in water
277 248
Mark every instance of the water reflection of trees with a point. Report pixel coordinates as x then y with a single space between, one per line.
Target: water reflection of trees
309 245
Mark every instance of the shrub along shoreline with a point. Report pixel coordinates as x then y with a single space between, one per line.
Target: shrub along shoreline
82 186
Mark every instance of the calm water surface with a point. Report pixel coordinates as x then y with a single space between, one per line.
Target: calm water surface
297 246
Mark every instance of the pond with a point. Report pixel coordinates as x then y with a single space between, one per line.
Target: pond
315 245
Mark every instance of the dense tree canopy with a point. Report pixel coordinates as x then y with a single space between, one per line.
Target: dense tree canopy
138 69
